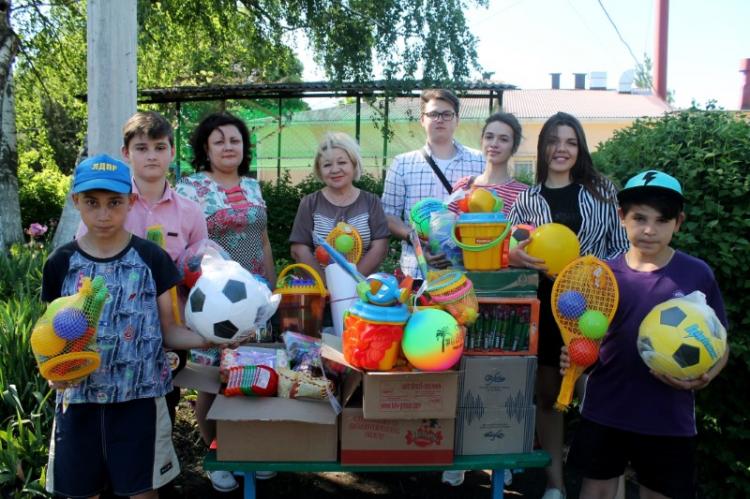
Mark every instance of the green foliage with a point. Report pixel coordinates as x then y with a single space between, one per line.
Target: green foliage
25 412
41 190
709 152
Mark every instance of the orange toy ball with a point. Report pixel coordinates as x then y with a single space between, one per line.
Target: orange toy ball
583 351
322 255
463 204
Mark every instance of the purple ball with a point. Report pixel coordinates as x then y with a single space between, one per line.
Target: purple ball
571 304
70 324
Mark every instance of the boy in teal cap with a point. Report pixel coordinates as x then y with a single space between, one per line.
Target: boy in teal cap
631 415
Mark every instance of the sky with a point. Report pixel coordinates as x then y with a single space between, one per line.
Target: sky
523 41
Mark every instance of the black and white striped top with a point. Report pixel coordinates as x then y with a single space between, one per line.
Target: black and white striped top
600 235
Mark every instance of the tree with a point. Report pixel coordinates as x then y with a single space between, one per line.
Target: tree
201 42
10 209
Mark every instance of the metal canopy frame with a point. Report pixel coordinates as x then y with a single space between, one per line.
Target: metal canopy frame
386 89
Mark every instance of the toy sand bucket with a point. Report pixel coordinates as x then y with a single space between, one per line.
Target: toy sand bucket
343 290
483 237
452 291
303 300
372 335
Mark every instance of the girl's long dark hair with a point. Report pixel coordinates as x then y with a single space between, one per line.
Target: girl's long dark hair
583 172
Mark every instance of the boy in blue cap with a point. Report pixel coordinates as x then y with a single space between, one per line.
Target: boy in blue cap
631 414
113 427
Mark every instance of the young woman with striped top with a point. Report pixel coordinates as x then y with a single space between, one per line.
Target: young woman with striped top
501 136
570 191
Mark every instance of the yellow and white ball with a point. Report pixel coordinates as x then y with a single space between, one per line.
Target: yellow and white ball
682 337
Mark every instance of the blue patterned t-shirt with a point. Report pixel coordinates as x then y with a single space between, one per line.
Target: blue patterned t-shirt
129 337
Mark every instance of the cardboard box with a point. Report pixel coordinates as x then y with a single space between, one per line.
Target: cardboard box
506 283
499 430
274 429
496 381
395 441
398 395
265 428
495 412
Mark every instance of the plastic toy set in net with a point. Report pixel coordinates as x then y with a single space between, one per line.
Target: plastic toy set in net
64 338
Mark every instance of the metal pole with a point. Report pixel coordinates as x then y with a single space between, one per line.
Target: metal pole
278 146
491 95
357 125
660 54
178 144
386 129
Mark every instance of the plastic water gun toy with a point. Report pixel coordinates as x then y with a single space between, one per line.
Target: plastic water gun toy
155 234
584 300
64 338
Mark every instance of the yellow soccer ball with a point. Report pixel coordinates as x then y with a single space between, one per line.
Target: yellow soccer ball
681 338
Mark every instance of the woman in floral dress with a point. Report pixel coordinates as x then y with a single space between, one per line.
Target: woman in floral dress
236 217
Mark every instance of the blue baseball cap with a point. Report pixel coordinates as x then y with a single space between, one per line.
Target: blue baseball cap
652 180
102 172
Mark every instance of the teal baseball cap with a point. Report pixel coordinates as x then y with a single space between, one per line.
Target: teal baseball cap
652 180
102 172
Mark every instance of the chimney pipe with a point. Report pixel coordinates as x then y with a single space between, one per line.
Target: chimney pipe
745 68
580 81
660 52
555 81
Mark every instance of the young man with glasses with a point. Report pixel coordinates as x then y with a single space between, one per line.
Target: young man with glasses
428 172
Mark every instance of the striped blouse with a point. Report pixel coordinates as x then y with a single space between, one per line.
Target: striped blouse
600 235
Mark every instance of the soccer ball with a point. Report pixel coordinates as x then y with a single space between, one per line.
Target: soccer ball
682 337
227 303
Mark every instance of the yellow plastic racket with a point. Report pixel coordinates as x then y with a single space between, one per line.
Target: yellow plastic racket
584 300
343 228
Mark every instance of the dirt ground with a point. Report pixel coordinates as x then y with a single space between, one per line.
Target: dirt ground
193 482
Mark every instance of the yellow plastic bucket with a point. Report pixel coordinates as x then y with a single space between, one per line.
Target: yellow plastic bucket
483 238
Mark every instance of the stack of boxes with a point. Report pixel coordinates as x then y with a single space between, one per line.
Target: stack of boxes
496 411
395 417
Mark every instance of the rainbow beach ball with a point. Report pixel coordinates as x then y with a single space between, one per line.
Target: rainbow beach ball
433 340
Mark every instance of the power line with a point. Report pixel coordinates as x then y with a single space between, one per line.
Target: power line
637 62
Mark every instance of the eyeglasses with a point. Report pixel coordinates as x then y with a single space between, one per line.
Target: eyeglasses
445 115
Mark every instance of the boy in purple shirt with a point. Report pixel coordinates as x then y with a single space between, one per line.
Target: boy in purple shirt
631 414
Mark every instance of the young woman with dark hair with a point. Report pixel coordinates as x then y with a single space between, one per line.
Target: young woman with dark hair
569 191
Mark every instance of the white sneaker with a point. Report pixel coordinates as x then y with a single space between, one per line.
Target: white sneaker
553 494
222 481
264 475
453 477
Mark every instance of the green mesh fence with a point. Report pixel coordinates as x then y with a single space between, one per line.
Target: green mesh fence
286 136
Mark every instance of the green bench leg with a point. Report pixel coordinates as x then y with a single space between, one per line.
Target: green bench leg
498 484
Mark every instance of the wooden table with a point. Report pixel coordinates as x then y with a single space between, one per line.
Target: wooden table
497 463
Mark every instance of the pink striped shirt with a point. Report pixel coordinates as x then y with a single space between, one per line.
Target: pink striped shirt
507 191
182 220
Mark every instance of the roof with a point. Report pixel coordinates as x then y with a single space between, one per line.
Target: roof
583 104
525 104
